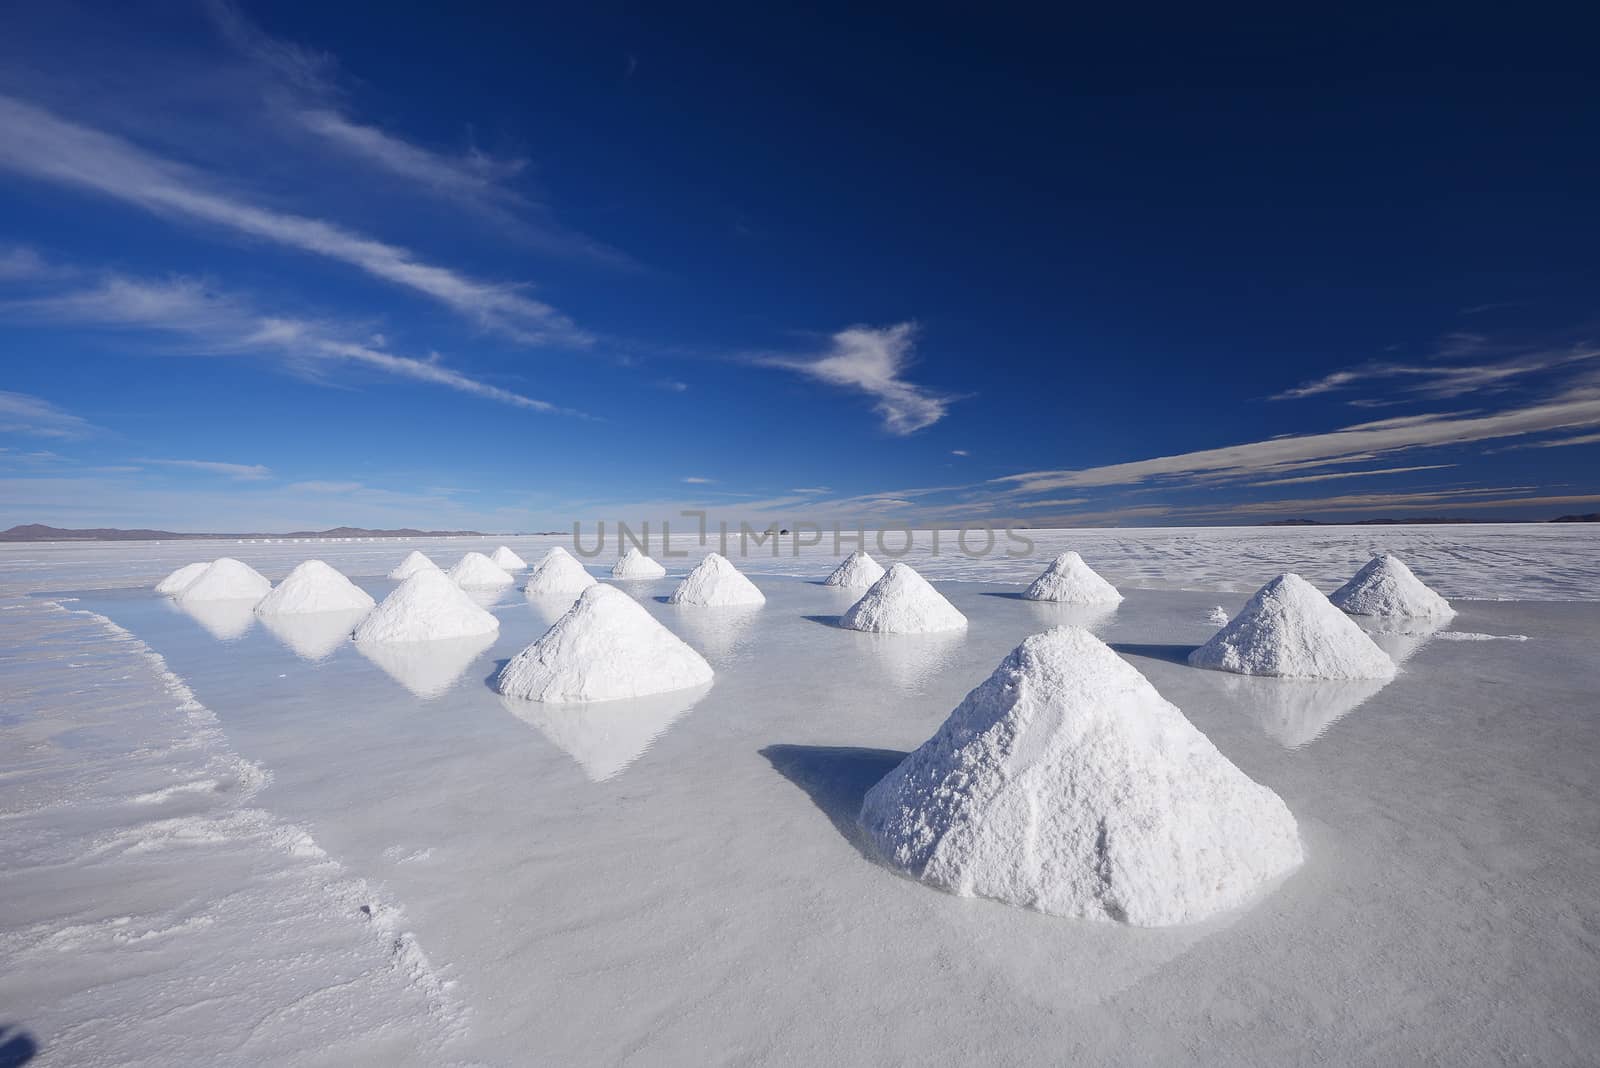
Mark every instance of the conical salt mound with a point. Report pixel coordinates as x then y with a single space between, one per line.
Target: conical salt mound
1290 629
507 560
557 575
607 647
476 571
174 583
414 562
1065 783
1386 587
314 587
634 564
226 580
716 583
426 607
1069 580
902 602
858 572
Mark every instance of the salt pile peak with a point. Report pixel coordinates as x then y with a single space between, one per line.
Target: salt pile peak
1386 587
415 561
607 647
902 602
634 564
314 586
504 558
226 579
476 571
426 607
1065 783
175 582
1069 580
716 583
558 574
858 571
1290 629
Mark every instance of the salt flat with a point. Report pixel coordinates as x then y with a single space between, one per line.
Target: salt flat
679 879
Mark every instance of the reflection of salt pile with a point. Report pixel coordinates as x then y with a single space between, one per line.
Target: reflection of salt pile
902 602
605 648
314 587
634 564
1067 784
1091 617
719 635
413 563
476 571
1290 629
1071 581
605 738
716 582
557 575
427 668
909 662
857 572
226 580
507 560
314 635
225 620
426 607
175 582
1296 712
1386 587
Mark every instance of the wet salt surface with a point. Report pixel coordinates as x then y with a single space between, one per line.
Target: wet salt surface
685 883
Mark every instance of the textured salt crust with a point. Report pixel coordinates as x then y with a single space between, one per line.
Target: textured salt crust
1065 783
607 647
226 579
1069 580
314 587
858 571
175 582
1218 616
714 583
1386 587
415 561
426 607
476 571
1291 630
504 558
558 574
902 602
1469 636
634 564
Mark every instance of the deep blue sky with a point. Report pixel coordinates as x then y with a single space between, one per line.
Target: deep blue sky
296 265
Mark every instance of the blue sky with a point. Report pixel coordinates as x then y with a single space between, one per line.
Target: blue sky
292 265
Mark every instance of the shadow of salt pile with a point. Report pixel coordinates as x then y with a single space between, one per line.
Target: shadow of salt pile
427 669
715 633
226 621
604 737
313 636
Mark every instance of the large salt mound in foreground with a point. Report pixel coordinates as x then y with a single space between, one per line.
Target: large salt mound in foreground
858 572
557 575
476 571
504 558
902 602
1290 629
634 564
1069 580
716 583
607 647
314 587
226 580
174 583
1065 783
426 607
1386 587
414 562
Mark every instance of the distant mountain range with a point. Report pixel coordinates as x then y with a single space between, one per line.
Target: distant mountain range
1592 517
39 532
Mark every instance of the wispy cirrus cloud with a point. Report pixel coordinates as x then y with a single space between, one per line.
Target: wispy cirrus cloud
873 360
237 472
1489 366
23 413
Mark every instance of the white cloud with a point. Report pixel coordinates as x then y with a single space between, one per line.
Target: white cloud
1331 475
959 452
872 360
695 480
1443 380
239 472
22 413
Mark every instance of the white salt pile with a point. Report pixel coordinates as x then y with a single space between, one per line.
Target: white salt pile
1071 581
1290 629
174 583
1218 616
557 575
715 583
426 607
1065 783
634 564
226 579
314 587
605 648
902 602
504 558
476 571
414 562
1386 587
858 572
